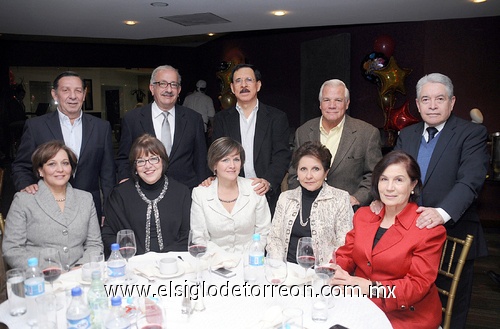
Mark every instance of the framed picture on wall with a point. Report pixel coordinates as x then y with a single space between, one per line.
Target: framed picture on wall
88 104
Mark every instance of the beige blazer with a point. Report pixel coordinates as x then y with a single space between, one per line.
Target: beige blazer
230 231
358 153
330 218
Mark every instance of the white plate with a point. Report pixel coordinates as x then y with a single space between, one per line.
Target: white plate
157 274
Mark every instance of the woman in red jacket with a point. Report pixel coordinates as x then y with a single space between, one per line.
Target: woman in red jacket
387 253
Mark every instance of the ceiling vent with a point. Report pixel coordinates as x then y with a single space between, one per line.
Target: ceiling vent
196 19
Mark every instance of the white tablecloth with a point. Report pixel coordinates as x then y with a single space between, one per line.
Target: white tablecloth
223 311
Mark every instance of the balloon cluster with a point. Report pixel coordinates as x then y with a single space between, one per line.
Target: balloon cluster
380 67
226 97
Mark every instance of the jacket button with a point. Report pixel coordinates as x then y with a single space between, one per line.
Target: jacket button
66 249
412 308
313 232
368 263
403 307
65 232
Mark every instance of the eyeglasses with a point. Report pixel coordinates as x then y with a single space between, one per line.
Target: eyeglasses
165 84
248 81
142 162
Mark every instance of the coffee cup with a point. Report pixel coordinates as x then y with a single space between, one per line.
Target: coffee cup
168 265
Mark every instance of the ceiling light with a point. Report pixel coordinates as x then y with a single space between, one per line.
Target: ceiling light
130 23
478 1
279 13
211 34
159 4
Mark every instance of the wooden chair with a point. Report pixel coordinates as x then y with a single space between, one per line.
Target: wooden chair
446 269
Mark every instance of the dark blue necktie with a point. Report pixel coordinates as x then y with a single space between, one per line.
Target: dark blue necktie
432 131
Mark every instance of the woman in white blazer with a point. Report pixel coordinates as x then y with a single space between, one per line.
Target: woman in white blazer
228 212
57 215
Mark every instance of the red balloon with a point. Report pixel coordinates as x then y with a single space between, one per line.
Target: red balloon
384 44
400 118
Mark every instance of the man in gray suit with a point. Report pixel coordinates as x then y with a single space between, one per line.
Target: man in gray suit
355 145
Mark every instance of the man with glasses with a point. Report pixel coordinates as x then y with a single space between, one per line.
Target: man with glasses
180 129
262 130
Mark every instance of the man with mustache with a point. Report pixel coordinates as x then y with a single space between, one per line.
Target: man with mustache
179 128
87 136
355 145
261 129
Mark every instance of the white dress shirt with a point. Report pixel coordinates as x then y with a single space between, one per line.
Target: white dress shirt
247 130
72 133
157 116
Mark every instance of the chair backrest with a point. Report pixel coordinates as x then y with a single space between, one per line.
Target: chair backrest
448 258
2 226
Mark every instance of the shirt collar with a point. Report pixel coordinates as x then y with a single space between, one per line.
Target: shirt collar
438 127
65 119
337 127
157 111
240 110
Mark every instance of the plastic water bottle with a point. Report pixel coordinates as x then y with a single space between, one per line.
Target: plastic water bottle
117 318
254 260
34 286
78 313
116 264
98 301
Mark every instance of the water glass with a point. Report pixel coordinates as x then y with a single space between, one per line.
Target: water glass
292 318
319 302
47 311
15 292
97 256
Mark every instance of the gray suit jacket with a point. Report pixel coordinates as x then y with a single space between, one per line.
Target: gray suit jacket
358 153
35 222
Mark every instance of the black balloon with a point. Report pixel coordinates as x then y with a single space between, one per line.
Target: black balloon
373 62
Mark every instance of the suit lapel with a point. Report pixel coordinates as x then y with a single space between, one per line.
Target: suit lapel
314 134
147 120
180 128
87 130
243 198
212 201
261 124
45 200
445 138
414 144
346 140
233 120
54 125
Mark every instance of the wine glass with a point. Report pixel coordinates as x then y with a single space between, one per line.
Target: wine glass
305 254
325 262
50 263
126 240
275 270
197 247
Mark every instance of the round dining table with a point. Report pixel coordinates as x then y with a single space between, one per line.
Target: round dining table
226 303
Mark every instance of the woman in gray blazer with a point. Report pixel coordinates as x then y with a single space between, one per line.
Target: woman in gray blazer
229 212
57 215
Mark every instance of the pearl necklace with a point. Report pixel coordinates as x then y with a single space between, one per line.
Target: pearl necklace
60 200
300 218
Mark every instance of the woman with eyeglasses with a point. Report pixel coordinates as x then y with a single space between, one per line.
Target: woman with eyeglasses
153 205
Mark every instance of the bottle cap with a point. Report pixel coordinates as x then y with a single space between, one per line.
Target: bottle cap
96 275
115 246
33 262
76 291
116 301
256 237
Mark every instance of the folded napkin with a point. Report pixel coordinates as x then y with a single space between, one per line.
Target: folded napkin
271 318
297 278
220 258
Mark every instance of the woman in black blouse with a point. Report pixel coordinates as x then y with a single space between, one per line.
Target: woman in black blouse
154 206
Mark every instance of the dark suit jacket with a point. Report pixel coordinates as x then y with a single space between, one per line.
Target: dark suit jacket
96 164
456 173
358 153
270 151
405 257
187 162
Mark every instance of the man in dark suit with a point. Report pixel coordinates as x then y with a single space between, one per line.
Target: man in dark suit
355 145
89 137
179 128
453 159
262 130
